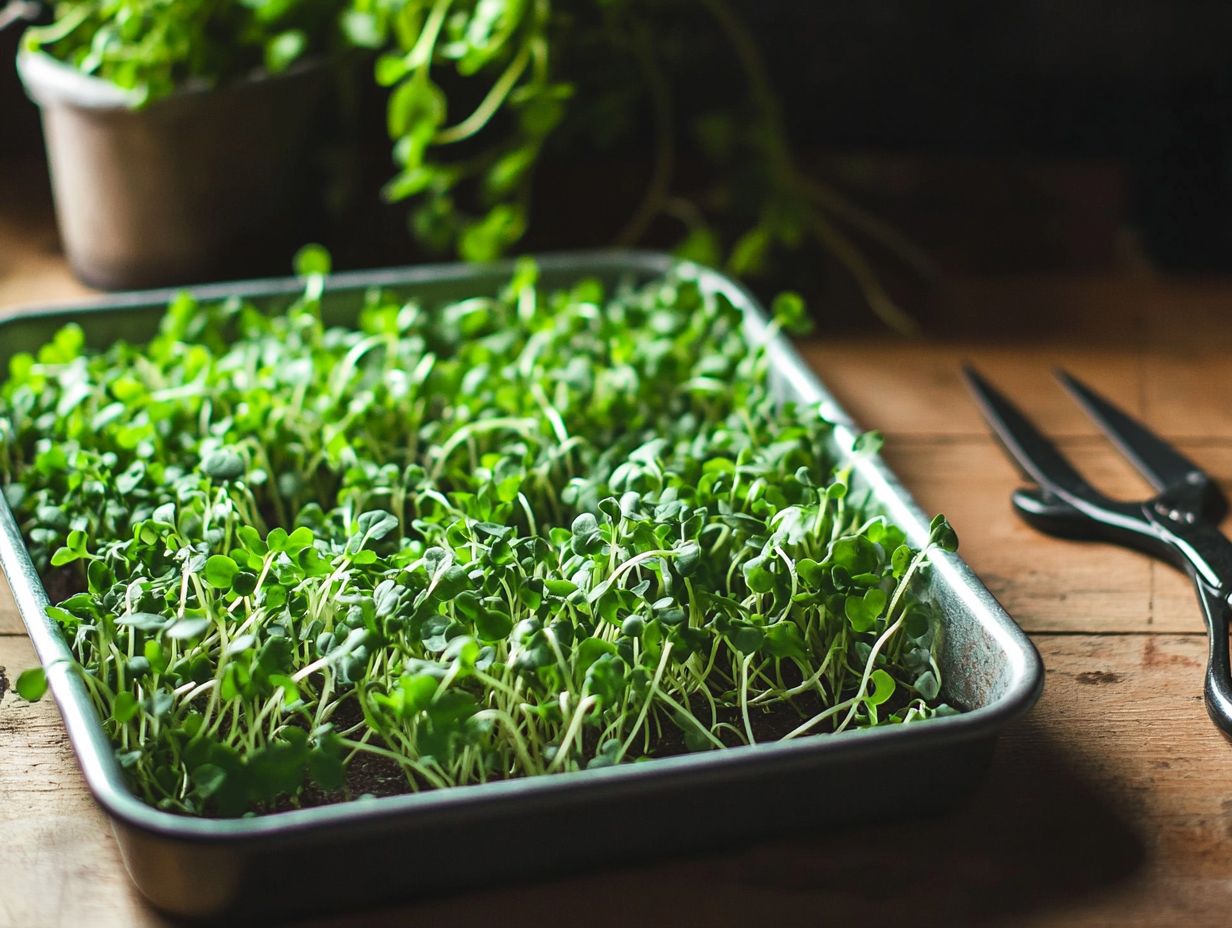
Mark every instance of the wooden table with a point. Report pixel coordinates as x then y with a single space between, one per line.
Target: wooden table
1109 804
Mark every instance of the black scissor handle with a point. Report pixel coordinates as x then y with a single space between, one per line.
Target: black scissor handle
1218 687
1050 515
1054 516
1178 525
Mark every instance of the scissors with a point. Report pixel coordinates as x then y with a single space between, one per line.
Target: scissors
1177 524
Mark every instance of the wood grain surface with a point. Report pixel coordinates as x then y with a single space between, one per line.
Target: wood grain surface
1109 804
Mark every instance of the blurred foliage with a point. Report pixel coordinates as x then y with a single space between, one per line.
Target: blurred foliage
481 91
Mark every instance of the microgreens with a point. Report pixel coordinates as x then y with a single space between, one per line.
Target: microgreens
508 535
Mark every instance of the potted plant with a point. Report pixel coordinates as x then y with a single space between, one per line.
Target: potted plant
175 132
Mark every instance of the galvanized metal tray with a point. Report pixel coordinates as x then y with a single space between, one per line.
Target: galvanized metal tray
531 827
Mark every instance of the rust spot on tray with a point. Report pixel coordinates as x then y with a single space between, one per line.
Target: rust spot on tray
1098 677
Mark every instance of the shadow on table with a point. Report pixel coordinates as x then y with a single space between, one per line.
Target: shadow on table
1033 836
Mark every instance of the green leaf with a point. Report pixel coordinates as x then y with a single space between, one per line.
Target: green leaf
362 28
488 238
385 598
788 311
312 259
224 464
757 576
284 49
290 689
927 685
558 587
188 628
883 687
375 525
143 621
125 707
326 768
74 549
505 176
855 554
586 537
417 105
862 611
300 540
244 583
220 571
784 640
493 625
868 443
700 245
590 650
31 684
417 690
605 679
748 256
688 559
942 535
158 703
746 639
412 181
811 572
252 541
390 69
901 560
208 779
64 556
153 652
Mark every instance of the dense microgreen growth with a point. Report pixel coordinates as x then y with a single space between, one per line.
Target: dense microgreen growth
523 534
482 92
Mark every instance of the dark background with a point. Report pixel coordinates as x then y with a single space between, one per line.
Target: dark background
1141 83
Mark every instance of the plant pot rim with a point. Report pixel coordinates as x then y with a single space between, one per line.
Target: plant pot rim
48 81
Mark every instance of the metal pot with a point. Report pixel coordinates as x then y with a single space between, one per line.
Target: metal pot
204 183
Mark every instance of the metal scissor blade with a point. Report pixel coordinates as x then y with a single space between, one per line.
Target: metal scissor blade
1036 455
1161 464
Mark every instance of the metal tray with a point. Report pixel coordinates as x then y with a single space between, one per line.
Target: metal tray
519 829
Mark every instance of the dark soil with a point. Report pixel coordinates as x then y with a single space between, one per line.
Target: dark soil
366 774
63 582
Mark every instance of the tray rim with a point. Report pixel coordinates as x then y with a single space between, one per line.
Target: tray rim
96 758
